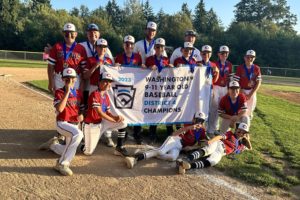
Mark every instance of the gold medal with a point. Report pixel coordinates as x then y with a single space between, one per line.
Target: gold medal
66 65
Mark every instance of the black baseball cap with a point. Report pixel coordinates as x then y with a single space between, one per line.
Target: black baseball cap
190 32
92 27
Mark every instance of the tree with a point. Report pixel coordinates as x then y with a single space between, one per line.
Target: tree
199 21
115 14
185 10
148 11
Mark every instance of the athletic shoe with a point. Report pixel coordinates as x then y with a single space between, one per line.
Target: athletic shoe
110 142
121 151
183 165
46 145
130 161
63 169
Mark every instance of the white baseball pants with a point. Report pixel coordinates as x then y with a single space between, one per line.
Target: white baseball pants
251 103
215 152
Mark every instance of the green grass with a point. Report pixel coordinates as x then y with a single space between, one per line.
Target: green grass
282 88
40 84
23 63
280 80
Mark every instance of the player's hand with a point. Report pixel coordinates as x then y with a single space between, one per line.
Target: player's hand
144 66
51 88
80 117
153 67
248 96
171 65
47 48
215 69
68 84
119 118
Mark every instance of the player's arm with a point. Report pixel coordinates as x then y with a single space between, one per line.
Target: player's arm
62 104
185 129
117 118
50 72
215 74
254 90
216 138
88 73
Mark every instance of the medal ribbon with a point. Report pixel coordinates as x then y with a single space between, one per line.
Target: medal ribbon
150 46
222 69
249 75
93 52
67 54
189 62
131 59
158 63
234 106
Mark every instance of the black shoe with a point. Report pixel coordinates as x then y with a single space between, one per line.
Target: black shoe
121 151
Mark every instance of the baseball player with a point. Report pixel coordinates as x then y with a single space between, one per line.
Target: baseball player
145 47
157 62
66 103
100 119
206 52
220 87
216 148
128 57
249 76
186 58
233 108
67 54
170 149
190 36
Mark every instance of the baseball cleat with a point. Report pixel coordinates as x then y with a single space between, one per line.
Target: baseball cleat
130 161
183 165
121 151
110 142
63 169
47 145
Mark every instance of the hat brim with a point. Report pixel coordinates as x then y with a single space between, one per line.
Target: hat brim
69 76
105 79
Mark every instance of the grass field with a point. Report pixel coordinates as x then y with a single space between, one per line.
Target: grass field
275 160
23 63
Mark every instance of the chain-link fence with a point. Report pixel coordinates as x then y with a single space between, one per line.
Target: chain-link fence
21 55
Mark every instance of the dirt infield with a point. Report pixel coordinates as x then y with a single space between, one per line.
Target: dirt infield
27 120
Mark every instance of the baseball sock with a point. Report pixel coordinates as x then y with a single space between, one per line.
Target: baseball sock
196 155
121 136
140 156
200 164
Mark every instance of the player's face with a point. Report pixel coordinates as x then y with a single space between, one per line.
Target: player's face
187 52
128 47
249 60
93 36
240 133
101 50
70 81
104 85
69 36
223 55
190 38
150 33
234 92
206 55
159 49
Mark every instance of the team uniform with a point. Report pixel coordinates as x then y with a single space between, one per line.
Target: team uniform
177 54
248 78
219 90
94 125
227 107
67 125
182 60
61 57
134 60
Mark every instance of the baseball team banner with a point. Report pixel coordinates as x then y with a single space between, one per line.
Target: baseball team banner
145 97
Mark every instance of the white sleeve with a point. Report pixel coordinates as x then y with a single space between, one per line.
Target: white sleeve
176 53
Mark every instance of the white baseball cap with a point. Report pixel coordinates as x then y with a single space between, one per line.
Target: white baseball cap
250 53
188 45
224 48
206 48
152 25
129 38
200 115
101 42
160 41
244 126
234 84
106 76
69 72
69 27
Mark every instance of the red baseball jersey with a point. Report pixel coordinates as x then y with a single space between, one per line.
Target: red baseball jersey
70 113
245 83
124 60
232 145
180 60
95 101
226 107
224 73
94 79
192 136
150 61
76 60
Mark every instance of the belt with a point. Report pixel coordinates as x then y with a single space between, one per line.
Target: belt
75 123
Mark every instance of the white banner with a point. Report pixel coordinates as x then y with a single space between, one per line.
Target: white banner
144 97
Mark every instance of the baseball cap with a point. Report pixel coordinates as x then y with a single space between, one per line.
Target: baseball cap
152 25
224 48
199 117
234 84
106 76
129 38
69 27
92 27
101 42
160 41
206 48
190 32
69 72
251 53
244 126
188 45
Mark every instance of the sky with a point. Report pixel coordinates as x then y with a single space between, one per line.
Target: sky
224 10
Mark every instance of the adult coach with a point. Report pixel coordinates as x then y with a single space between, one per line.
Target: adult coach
189 36
220 87
249 76
66 54
145 47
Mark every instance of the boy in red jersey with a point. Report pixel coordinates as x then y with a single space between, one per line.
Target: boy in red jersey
66 103
186 58
233 108
250 79
185 137
100 119
67 54
216 148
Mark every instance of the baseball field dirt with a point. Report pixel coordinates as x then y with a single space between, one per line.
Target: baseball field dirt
28 119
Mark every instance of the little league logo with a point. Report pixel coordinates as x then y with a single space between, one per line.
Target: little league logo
124 96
